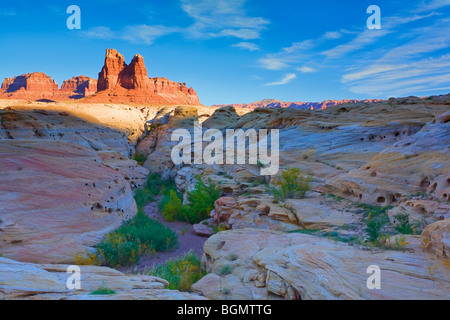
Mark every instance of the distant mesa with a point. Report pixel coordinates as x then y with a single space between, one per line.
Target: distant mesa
117 83
274 103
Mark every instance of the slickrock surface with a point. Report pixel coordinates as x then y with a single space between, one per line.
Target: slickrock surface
67 179
65 182
48 282
269 265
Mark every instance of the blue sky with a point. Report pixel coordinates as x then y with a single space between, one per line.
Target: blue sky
237 51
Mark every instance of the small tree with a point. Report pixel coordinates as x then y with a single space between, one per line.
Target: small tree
293 184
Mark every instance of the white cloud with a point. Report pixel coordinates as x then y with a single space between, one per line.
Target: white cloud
101 32
432 5
333 35
285 80
273 63
297 51
368 37
244 34
147 34
212 19
222 18
306 69
135 34
415 66
247 46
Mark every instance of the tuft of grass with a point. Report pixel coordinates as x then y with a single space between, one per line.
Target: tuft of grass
226 269
233 257
103 290
337 198
181 273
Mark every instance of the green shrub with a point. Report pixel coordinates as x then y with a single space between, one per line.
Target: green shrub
181 273
103 290
293 184
403 225
172 207
376 221
135 237
139 158
201 202
150 189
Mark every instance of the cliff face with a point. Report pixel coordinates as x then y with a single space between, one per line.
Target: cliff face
36 85
117 82
81 86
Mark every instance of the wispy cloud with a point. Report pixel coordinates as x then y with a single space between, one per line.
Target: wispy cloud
368 37
297 51
407 68
430 5
219 18
271 62
408 55
285 80
247 46
306 69
212 19
147 34
100 32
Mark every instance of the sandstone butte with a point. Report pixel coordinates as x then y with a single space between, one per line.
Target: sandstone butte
117 83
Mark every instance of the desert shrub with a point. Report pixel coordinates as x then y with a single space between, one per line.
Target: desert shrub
135 237
400 243
139 158
375 223
292 184
403 225
172 207
150 189
87 259
201 202
181 273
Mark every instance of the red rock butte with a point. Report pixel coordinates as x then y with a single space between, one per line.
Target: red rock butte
117 83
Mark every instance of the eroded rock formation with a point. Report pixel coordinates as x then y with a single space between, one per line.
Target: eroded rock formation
117 83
